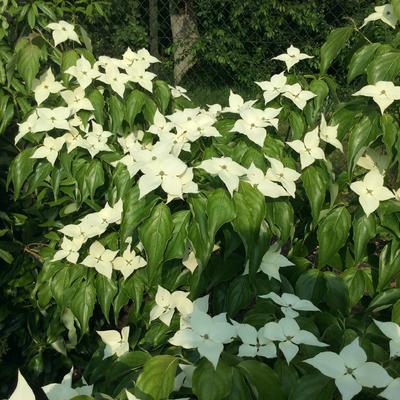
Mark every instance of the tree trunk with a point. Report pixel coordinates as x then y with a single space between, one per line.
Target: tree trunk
184 36
153 30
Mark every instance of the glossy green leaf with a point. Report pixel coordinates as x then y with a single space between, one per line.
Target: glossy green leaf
106 290
28 63
360 60
364 229
162 94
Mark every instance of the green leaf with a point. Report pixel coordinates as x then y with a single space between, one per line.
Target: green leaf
389 265
358 282
360 60
116 113
314 107
396 312
385 299
364 229
155 233
384 67
177 245
390 129
106 290
158 376
69 59
313 387
311 286
297 125
263 380
239 295
332 234
337 295
94 177
97 100
162 94
396 8
6 256
335 42
7 118
280 213
212 384
133 106
28 63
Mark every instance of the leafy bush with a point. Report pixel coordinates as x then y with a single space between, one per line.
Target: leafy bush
166 251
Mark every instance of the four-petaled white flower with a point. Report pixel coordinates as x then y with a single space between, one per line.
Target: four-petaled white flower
141 77
46 85
64 390
167 302
226 169
49 119
184 378
272 261
116 342
292 57
237 104
350 370
207 334
290 304
384 93
309 149
23 390
116 79
178 91
384 13
26 127
371 191
128 262
285 176
273 88
299 96
69 250
289 335
50 149
83 72
111 215
329 134
392 331
100 259
63 31
76 100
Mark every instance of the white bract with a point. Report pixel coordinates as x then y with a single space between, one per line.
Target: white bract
46 85
371 191
273 261
184 378
329 134
50 149
111 215
116 79
273 88
167 302
178 91
76 100
299 96
141 77
69 250
226 169
116 342
63 31
383 13
237 104
65 391
285 176
49 119
100 259
290 303
291 57
392 391
83 72
207 334
26 127
23 390
392 331
289 335
350 370
309 149
384 93
128 262
372 159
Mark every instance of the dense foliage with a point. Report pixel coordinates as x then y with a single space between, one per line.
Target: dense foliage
154 250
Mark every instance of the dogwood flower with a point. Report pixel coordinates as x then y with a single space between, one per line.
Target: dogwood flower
141 77
23 390
116 79
200 304
75 232
63 31
292 57
206 334
50 149
329 134
83 72
299 96
116 342
50 119
26 127
392 331
76 100
184 378
273 88
129 262
167 302
374 160
91 225
178 91
392 391
73 139
285 176
289 335
309 149
111 215
384 13
289 303
371 191
69 250
226 169
141 58
384 93
100 259
272 261
254 343
160 125
237 104
350 370
46 85
64 390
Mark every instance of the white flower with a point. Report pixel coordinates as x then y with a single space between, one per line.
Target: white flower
46 85
226 169
75 232
392 391
329 134
63 31
100 259
184 378
50 149
289 335
374 160
290 303
384 93
160 125
253 122
350 370
73 139
107 62
23 390
26 127
167 302
76 100
141 77
285 176
116 343
111 215
50 119
384 13
274 87
272 261
69 250
64 390
200 304
178 91
115 79
91 225
392 331
309 150
129 262
371 191
141 59
292 57
299 96
83 72
207 334
254 343
237 104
